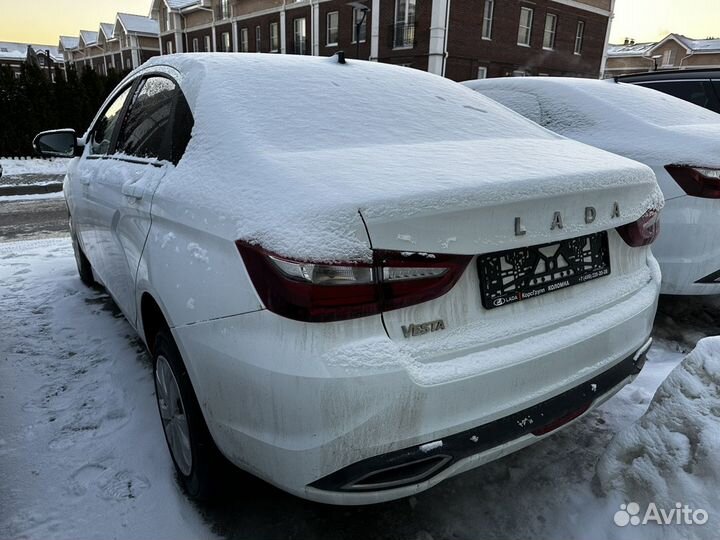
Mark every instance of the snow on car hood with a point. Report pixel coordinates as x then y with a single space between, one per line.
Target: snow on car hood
288 152
629 120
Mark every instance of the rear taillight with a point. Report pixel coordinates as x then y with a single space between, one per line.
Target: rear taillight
697 181
642 232
318 292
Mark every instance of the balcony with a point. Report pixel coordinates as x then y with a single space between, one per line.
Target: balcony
403 35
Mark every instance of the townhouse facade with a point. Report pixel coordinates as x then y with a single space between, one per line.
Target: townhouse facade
459 39
673 52
15 55
122 45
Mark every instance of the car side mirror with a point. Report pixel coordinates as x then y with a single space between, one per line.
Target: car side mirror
57 143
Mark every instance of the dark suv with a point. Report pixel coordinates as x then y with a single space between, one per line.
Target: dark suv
701 87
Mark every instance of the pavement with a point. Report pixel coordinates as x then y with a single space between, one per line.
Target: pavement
24 219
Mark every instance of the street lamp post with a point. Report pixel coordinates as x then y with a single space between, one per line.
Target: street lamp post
358 24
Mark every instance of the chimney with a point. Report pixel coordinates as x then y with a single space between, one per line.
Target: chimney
627 41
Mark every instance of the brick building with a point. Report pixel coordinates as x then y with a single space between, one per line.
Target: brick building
459 39
674 52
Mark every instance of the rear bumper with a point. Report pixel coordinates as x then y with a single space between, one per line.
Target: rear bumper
299 410
688 248
402 472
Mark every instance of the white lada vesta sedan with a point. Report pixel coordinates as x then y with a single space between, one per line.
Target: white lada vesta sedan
357 280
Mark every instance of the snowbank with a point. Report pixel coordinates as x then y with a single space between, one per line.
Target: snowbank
672 453
14 167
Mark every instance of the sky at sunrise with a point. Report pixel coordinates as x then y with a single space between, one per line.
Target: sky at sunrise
42 21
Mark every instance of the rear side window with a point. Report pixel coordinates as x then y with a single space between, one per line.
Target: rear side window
700 93
105 126
146 130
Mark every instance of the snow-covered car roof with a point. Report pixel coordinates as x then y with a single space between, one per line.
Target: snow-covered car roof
627 119
294 147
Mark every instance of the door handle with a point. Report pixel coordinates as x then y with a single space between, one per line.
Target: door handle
133 191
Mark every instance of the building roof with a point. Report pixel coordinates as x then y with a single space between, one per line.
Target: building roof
88 37
69 42
139 24
108 29
693 46
181 4
18 51
699 45
635 49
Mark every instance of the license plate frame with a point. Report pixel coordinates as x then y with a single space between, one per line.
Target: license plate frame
514 275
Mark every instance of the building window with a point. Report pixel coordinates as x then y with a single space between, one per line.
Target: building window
128 63
404 31
579 35
224 9
519 73
299 36
244 40
550 30
168 20
669 58
226 46
488 14
208 44
258 40
525 29
333 19
359 15
196 45
482 72
169 47
274 37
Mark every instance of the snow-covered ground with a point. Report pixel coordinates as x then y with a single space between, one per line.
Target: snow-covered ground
18 166
82 453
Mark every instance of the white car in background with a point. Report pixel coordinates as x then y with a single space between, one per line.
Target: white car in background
678 140
355 279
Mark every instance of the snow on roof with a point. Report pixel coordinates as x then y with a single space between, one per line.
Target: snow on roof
320 142
181 4
626 119
669 455
139 24
108 29
88 37
700 45
636 49
18 51
69 42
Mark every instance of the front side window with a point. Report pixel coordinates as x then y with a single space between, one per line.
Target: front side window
404 23
550 30
244 43
226 42
105 126
359 19
299 38
274 37
579 36
488 14
525 27
145 132
333 19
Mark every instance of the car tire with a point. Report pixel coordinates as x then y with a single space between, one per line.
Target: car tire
83 264
198 462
